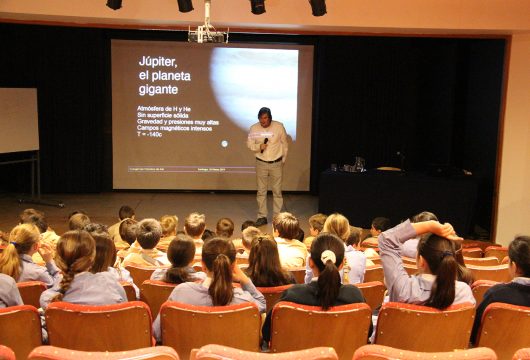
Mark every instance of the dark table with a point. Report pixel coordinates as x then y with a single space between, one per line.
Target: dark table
363 196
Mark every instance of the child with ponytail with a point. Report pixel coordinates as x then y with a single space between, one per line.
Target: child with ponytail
76 252
218 261
325 288
180 253
436 285
16 260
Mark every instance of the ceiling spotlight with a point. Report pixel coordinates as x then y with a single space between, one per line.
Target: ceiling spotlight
318 7
114 4
185 6
257 6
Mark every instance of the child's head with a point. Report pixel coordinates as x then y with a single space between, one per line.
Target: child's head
218 257
76 251
436 255
264 266
128 231
316 224
207 235
327 256
23 239
224 228
355 237
249 235
379 224
35 217
195 224
25 216
148 233
285 225
169 225
105 248
519 254
180 253
337 224
126 212
78 221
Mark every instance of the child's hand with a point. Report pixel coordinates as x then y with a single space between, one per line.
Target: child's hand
446 230
46 252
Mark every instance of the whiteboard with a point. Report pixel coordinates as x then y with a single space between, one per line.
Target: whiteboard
19 121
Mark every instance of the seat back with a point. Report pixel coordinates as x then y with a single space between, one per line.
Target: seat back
20 329
485 261
374 273
185 327
154 293
381 352
498 273
411 269
129 290
30 292
140 274
373 292
299 274
398 326
217 352
500 252
6 353
150 353
522 354
505 328
480 287
297 327
116 327
272 294
475 252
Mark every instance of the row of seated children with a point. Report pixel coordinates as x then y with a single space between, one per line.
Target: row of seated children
435 286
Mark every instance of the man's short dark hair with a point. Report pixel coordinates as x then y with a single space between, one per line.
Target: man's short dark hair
265 110
126 212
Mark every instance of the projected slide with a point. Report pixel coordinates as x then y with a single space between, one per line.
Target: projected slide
181 113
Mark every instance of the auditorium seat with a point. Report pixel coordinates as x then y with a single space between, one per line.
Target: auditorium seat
6 353
475 252
116 327
480 287
299 274
297 327
185 327
411 269
30 292
407 260
154 293
522 354
485 261
140 274
218 352
374 273
419 328
498 273
20 329
129 290
272 294
496 251
380 352
149 353
505 328
373 292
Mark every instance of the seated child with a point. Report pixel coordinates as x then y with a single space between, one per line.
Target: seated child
224 228
316 224
194 226
128 238
181 255
76 251
169 225
125 212
78 221
16 260
293 253
379 224
238 242
148 233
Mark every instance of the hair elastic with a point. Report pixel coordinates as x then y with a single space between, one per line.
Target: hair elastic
13 243
328 255
446 253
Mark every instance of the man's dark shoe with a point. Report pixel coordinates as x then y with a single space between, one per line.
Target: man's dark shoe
261 221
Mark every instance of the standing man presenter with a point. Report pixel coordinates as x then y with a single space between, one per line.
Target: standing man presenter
268 140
